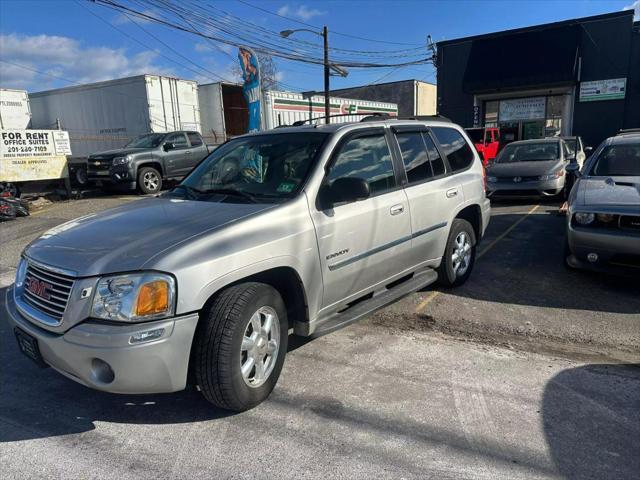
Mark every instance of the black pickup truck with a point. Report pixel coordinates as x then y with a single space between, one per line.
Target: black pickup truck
147 160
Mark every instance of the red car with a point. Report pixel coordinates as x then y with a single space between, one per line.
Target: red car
486 140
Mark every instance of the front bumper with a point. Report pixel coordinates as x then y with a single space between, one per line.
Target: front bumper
617 251
118 174
158 366
526 189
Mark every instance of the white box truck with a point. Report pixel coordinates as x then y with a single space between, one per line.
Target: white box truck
106 115
224 114
14 109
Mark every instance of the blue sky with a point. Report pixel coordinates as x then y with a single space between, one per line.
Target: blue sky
53 43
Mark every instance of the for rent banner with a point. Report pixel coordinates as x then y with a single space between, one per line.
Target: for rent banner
251 86
33 155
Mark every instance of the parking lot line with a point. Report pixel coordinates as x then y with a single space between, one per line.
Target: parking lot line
507 231
422 305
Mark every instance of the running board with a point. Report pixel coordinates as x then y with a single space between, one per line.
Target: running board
367 307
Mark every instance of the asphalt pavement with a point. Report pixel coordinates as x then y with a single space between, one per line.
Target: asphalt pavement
528 371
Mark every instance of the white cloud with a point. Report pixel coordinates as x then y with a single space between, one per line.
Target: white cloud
301 11
66 57
635 6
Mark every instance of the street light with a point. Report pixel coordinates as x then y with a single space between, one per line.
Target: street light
327 65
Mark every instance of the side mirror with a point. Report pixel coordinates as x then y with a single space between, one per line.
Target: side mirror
344 190
573 169
169 146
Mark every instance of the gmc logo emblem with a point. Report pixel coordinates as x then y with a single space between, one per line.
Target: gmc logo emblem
38 287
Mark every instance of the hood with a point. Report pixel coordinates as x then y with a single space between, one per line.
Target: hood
126 237
524 169
610 191
119 152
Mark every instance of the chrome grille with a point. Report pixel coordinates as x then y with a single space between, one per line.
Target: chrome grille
47 291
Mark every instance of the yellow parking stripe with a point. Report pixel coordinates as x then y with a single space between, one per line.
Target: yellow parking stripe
435 293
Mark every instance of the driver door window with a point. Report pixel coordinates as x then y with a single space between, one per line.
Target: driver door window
366 242
367 158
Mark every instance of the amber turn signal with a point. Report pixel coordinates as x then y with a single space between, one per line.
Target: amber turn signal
153 298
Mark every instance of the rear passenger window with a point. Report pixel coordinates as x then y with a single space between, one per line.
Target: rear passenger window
367 158
455 147
414 156
195 139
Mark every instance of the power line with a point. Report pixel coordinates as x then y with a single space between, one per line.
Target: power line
263 47
215 75
348 35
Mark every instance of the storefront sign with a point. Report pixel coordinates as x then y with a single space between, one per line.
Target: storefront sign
532 108
476 116
611 89
33 155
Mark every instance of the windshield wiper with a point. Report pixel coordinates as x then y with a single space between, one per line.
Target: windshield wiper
192 192
232 192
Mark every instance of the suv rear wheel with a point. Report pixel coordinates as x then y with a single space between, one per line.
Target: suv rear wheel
459 255
241 345
149 180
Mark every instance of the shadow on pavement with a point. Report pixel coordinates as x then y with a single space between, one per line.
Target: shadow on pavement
591 419
526 268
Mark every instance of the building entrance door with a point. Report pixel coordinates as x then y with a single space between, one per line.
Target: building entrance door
532 129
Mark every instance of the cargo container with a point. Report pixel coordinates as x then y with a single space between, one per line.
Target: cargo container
106 115
224 114
14 109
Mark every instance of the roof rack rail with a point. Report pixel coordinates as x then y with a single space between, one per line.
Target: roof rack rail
628 131
426 117
298 123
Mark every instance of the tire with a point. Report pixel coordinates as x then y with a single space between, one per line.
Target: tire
149 180
221 349
448 274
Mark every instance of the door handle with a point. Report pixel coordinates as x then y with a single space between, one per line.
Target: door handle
396 209
188 152
452 192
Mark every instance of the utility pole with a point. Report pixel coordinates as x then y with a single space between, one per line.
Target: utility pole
327 104
326 64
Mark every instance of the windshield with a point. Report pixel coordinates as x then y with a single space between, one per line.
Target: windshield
529 152
571 144
618 160
273 166
151 140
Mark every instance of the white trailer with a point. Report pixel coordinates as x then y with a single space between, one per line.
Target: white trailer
224 114
14 109
106 115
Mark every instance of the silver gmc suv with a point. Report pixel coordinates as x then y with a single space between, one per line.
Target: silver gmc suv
300 229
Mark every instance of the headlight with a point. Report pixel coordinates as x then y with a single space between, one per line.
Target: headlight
584 218
134 297
121 160
20 273
492 179
552 176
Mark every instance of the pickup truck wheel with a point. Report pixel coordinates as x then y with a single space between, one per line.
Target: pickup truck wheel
149 180
459 255
240 346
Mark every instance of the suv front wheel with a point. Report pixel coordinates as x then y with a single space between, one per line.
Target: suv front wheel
459 255
240 346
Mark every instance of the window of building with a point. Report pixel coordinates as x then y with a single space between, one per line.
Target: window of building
414 156
194 138
367 158
455 147
491 113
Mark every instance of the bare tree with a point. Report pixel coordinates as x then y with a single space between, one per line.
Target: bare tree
268 72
